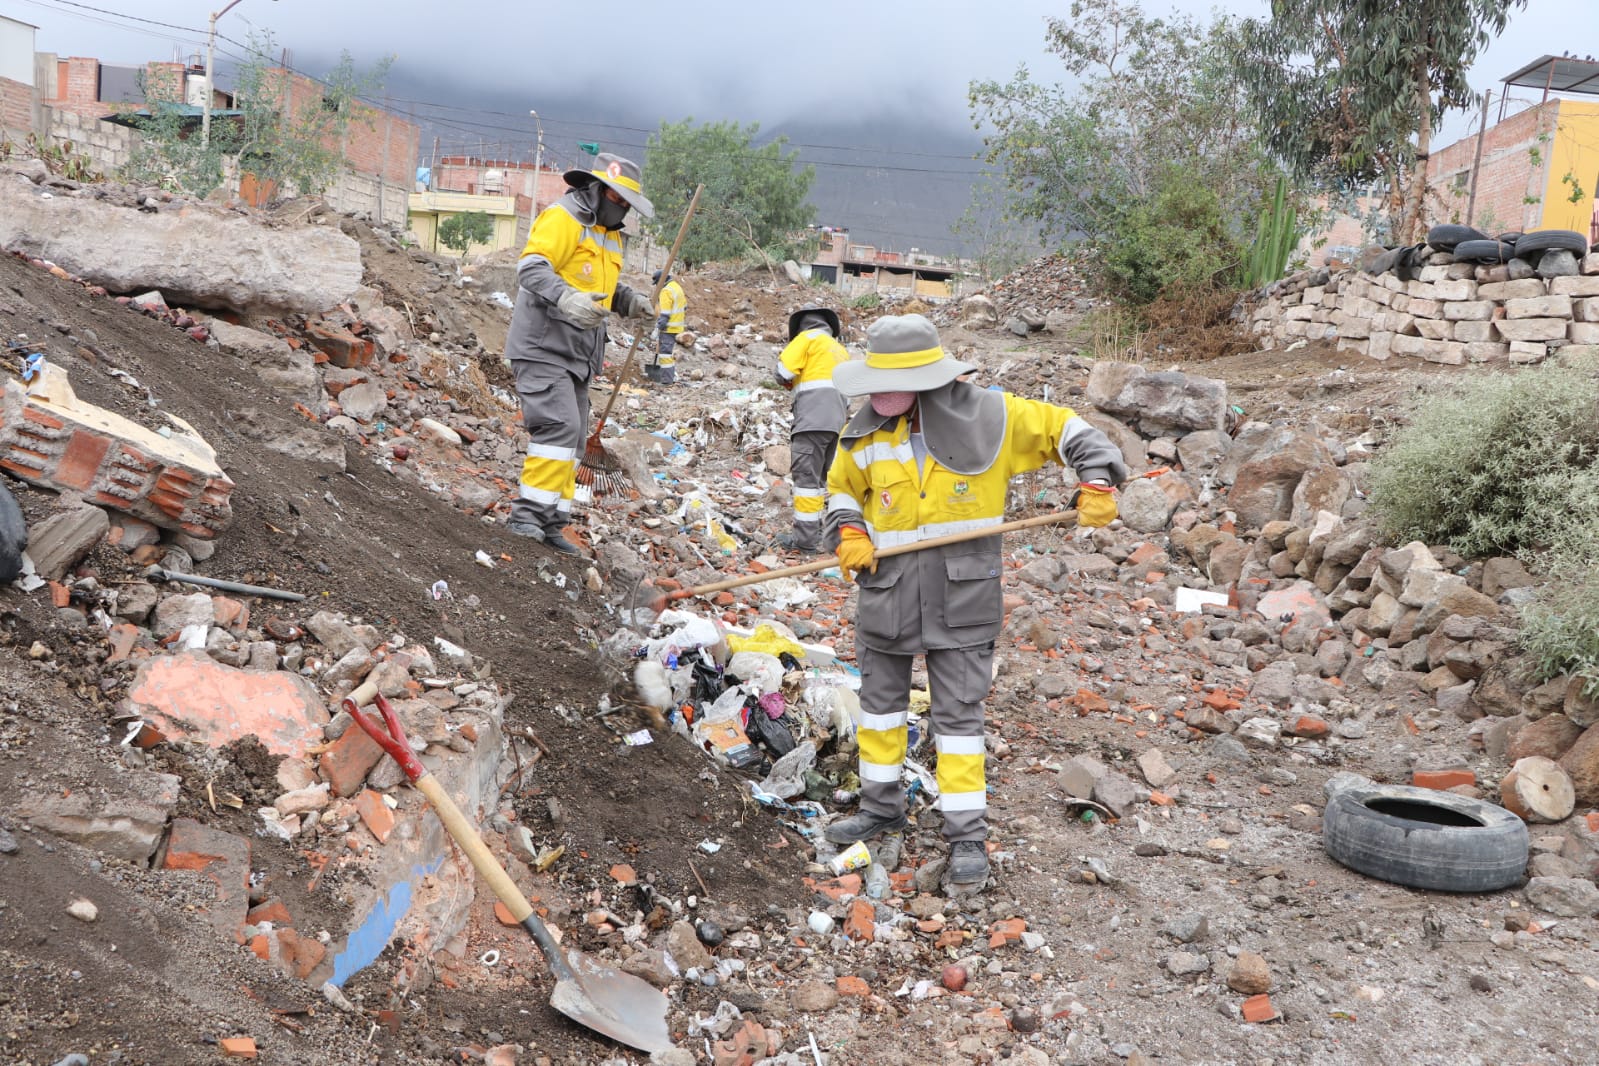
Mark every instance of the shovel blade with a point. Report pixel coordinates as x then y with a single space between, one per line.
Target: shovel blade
625 1008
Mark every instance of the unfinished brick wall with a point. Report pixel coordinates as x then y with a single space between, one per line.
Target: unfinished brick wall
109 146
1506 177
16 109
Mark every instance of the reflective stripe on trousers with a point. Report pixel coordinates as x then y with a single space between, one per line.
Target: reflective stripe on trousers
957 682
555 410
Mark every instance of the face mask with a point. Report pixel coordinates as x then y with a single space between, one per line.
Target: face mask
892 403
606 213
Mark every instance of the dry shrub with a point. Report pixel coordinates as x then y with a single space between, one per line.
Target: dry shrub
1194 324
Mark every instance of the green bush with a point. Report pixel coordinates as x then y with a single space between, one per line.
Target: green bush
1173 240
1509 463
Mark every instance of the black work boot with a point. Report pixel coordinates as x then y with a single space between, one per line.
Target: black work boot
864 825
556 538
526 529
968 863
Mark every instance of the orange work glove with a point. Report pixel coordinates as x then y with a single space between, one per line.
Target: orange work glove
855 552
1096 505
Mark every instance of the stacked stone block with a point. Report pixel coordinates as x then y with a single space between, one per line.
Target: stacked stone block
1453 313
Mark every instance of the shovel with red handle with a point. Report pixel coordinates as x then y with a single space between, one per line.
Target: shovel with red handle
619 1005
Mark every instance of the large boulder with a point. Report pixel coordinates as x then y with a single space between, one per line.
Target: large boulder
1160 402
1263 486
274 362
199 256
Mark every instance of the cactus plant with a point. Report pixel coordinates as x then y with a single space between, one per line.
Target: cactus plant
1275 240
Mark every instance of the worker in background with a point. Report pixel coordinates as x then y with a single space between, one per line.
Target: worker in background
805 368
569 278
668 325
927 456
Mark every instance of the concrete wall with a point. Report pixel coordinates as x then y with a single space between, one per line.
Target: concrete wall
110 146
16 50
366 194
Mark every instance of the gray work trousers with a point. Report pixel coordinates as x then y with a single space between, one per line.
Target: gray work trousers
810 455
958 680
555 412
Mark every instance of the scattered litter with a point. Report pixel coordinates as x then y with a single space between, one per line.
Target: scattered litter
710 847
440 589
490 958
1192 601
855 857
639 738
484 559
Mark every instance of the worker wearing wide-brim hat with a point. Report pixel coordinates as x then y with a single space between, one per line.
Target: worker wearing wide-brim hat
569 277
671 318
927 456
805 367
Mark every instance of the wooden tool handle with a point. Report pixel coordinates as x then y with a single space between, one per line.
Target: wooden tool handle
466 837
655 301
1056 518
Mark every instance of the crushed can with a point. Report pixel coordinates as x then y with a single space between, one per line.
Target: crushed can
854 857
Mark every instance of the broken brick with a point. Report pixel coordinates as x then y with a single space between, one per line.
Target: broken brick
223 857
238 1047
347 761
840 887
1089 702
300 955
853 986
860 920
1442 780
1309 727
271 910
375 813
1006 931
624 874
1218 700
1259 1009
343 348
193 697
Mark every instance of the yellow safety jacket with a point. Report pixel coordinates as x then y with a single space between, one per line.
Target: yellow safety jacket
946 597
674 304
588 258
808 362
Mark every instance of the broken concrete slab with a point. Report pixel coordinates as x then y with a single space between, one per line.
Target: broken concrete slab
191 696
61 541
273 360
198 256
50 438
125 823
224 858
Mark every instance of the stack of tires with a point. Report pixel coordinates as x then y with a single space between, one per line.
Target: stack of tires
1470 245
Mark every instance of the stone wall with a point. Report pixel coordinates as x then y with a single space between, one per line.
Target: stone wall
368 195
110 146
1442 311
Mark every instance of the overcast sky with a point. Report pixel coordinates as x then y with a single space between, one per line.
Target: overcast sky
775 63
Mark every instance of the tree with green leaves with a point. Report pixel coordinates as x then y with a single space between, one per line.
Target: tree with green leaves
1154 122
460 232
755 197
294 145
1349 92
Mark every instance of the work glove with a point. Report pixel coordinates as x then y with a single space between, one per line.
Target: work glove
582 309
855 552
1096 505
661 322
639 305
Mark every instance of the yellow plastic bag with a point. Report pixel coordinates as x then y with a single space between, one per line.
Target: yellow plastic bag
768 640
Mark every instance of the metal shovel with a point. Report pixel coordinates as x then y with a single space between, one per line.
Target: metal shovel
619 1005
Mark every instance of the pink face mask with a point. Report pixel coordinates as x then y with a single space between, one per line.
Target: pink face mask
892 403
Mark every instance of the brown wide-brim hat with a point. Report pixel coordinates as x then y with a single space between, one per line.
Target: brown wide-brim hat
902 355
826 313
620 174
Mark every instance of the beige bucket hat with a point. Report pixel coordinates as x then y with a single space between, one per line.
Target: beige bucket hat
902 355
623 175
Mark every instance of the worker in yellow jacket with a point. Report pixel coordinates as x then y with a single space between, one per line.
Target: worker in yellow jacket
805 368
569 277
931 455
669 324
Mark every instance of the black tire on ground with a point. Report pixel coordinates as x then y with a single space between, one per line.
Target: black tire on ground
1382 264
1424 838
1510 238
1543 240
13 536
1446 236
1484 252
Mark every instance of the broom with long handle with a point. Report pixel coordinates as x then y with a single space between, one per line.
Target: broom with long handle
598 468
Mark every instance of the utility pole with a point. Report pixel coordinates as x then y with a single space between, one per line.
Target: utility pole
1476 162
538 161
210 59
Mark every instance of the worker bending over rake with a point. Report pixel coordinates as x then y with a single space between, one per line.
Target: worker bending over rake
928 456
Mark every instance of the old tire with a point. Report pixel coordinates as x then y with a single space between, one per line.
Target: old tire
13 536
1565 240
1446 236
1484 252
1424 838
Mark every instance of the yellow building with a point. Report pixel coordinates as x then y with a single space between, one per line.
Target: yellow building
429 209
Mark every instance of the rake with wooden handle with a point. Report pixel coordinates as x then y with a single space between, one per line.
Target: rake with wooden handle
1058 518
598 468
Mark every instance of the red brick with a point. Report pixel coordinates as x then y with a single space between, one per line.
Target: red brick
849 985
1259 1009
1219 700
81 461
299 954
348 760
231 613
272 911
839 887
1309 726
376 814
238 1047
1088 701
1442 780
343 348
859 920
1006 931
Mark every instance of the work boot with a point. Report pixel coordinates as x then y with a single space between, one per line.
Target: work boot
968 862
556 538
526 529
791 543
864 825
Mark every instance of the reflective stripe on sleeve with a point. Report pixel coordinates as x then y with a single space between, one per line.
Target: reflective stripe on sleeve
839 502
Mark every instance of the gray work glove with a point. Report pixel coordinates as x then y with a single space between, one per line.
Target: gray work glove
639 305
582 309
